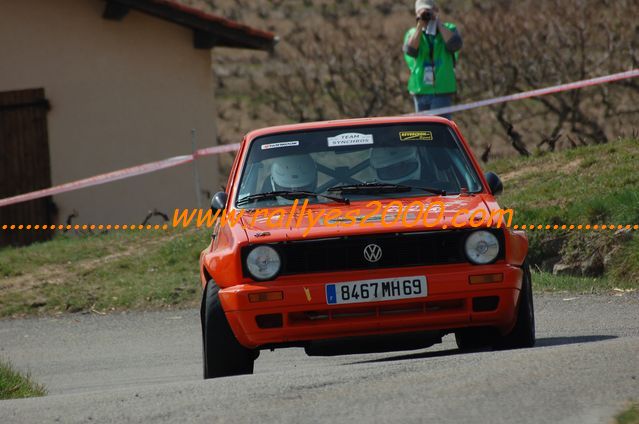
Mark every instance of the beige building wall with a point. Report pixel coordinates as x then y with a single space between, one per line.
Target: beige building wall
122 93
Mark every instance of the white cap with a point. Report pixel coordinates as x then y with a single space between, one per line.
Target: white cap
424 4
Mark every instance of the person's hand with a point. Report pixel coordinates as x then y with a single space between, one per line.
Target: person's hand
420 23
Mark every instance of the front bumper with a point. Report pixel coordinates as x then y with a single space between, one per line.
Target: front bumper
306 316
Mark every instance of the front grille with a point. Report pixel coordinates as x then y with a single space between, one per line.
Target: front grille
398 250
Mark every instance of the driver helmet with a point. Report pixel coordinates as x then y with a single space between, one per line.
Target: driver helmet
296 172
395 164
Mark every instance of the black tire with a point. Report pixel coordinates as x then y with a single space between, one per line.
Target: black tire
223 354
478 338
523 334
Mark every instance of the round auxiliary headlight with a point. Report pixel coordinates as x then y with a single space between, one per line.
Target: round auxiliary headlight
263 262
482 247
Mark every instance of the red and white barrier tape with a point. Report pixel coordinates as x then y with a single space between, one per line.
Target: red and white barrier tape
118 175
180 160
533 93
216 150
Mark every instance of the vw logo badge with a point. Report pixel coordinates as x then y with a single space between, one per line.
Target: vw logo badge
372 253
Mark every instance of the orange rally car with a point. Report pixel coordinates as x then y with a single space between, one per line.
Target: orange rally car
362 235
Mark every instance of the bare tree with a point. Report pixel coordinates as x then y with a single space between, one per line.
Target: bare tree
340 71
530 44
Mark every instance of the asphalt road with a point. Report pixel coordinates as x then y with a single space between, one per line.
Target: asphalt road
146 367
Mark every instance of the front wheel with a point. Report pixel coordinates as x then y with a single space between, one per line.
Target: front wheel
523 334
223 354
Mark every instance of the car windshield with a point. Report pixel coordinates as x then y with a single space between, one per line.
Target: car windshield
361 163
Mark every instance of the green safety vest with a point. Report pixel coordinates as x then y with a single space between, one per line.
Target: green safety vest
442 60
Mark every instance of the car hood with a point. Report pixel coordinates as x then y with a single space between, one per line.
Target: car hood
324 221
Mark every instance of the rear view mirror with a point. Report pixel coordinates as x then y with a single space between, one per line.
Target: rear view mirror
218 202
494 183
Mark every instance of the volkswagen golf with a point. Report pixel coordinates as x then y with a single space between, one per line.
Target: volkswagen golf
356 236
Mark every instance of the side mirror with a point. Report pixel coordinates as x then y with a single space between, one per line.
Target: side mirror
218 202
494 183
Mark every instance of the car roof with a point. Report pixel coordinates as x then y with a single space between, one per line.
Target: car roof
346 123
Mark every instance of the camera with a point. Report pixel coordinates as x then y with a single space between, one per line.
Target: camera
426 16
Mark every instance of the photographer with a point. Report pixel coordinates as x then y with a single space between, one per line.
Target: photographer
431 51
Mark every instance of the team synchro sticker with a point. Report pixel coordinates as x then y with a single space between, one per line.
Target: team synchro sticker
350 139
416 135
280 144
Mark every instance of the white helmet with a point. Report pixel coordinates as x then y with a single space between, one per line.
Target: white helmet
396 164
297 172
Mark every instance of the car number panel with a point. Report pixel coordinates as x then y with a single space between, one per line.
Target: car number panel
377 290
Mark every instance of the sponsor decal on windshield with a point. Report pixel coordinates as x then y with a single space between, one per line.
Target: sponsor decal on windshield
280 144
415 135
350 139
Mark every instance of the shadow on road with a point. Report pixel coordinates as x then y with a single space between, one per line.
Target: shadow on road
541 342
557 341
417 355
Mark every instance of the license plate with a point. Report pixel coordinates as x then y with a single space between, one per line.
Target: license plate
376 290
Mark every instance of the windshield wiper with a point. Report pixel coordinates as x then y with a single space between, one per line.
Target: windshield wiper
382 188
288 193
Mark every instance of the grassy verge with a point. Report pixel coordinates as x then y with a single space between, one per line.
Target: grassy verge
14 385
629 416
101 273
547 282
592 185
596 184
